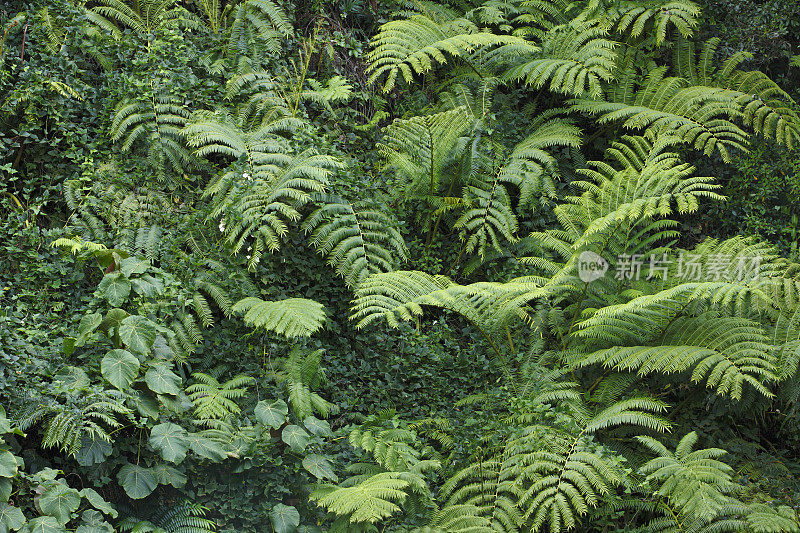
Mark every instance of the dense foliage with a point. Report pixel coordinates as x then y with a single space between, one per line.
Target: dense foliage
467 266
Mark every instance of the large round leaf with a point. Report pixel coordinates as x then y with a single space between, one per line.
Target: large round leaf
319 466
296 437
8 464
115 288
44 524
120 368
162 380
272 414
11 518
59 501
137 481
170 440
284 518
137 333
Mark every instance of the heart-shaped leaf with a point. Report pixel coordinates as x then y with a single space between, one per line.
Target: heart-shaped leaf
133 265
59 501
137 481
296 437
319 466
162 380
320 428
115 288
8 464
97 501
120 368
168 475
45 524
137 333
11 518
272 414
206 448
284 518
170 440
93 451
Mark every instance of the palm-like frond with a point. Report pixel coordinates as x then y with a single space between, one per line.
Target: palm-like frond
293 317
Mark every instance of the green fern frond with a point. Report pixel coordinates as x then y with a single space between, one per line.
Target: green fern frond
293 317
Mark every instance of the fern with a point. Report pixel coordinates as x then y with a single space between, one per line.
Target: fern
293 317
694 482
416 45
156 124
640 19
214 400
574 60
357 240
185 517
301 372
145 17
765 107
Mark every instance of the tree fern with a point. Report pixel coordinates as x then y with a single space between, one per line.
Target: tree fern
145 17
639 19
703 117
415 45
293 317
765 107
301 373
358 240
185 517
155 123
574 60
215 400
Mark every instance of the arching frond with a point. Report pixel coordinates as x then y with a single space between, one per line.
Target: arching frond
293 317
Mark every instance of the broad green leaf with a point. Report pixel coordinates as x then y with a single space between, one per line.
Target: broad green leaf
93 451
71 378
113 319
319 466
11 518
8 464
59 501
120 368
89 323
92 522
168 475
147 403
170 440
137 333
133 265
162 380
137 481
97 501
115 288
161 349
284 518
296 437
272 414
320 428
206 448
5 423
44 524
147 286
5 489
69 345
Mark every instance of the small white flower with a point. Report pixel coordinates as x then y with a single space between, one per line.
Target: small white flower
247 176
222 226
249 248
248 257
256 260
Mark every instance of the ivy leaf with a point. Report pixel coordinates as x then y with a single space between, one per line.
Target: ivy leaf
137 481
115 288
296 437
60 502
272 414
11 518
319 466
284 518
97 501
162 380
133 265
170 440
320 428
93 451
168 475
8 464
206 448
120 368
45 524
137 333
